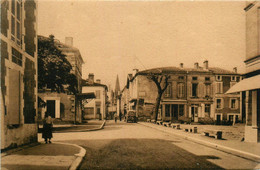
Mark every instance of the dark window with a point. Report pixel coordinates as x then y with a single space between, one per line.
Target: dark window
207 78
194 89
4 17
167 110
207 108
181 110
194 78
219 104
233 103
17 57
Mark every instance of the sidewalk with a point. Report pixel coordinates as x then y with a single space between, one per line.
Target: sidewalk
43 156
242 149
90 126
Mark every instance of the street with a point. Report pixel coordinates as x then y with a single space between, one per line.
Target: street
133 146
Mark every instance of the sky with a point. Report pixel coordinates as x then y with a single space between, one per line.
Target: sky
115 37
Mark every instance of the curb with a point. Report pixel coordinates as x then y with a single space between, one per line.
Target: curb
86 130
79 156
239 153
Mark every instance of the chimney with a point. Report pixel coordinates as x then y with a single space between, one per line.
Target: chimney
98 81
135 71
235 69
181 65
206 65
69 41
91 78
196 65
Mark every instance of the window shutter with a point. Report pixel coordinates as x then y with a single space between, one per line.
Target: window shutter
14 97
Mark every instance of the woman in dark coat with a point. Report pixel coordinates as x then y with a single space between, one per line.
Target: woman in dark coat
47 128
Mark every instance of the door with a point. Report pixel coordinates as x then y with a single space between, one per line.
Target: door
194 113
218 119
175 112
51 108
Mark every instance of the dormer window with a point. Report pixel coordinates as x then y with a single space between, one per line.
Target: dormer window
219 78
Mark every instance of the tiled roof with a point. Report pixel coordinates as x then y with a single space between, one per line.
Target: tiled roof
214 70
85 83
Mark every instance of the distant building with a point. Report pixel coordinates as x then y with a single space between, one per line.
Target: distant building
95 108
250 86
193 94
18 72
65 106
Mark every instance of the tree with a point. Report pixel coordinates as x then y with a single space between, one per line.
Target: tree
53 67
161 81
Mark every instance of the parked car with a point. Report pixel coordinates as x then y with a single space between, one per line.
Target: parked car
131 116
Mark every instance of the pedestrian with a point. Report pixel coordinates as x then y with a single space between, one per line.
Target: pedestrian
115 118
47 128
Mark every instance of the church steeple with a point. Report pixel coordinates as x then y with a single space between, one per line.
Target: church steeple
117 87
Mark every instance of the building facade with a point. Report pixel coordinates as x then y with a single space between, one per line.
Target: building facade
250 86
18 72
193 95
65 106
96 108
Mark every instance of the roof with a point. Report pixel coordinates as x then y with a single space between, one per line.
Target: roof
247 84
162 70
86 83
86 95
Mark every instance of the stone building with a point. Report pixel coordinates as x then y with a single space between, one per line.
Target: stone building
18 72
96 108
193 94
250 86
65 106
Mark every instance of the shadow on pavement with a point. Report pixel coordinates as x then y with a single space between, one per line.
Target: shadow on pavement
140 154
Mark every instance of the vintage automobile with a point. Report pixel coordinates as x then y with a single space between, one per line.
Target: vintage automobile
131 116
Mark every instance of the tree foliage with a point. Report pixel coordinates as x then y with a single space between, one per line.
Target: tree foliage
53 67
161 82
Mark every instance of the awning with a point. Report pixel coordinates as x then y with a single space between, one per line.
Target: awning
82 96
251 83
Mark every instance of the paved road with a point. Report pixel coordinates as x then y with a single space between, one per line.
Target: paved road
129 145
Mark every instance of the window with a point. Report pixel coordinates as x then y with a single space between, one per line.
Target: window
181 77
233 103
180 87
208 91
207 78
233 78
181 110
168 90
207 109
97 94
194 89
167 110
16 21
219 87
218 78
219 104
194 78
17 57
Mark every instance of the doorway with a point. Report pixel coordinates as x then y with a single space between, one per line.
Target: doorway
51 108
218 121
194 113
